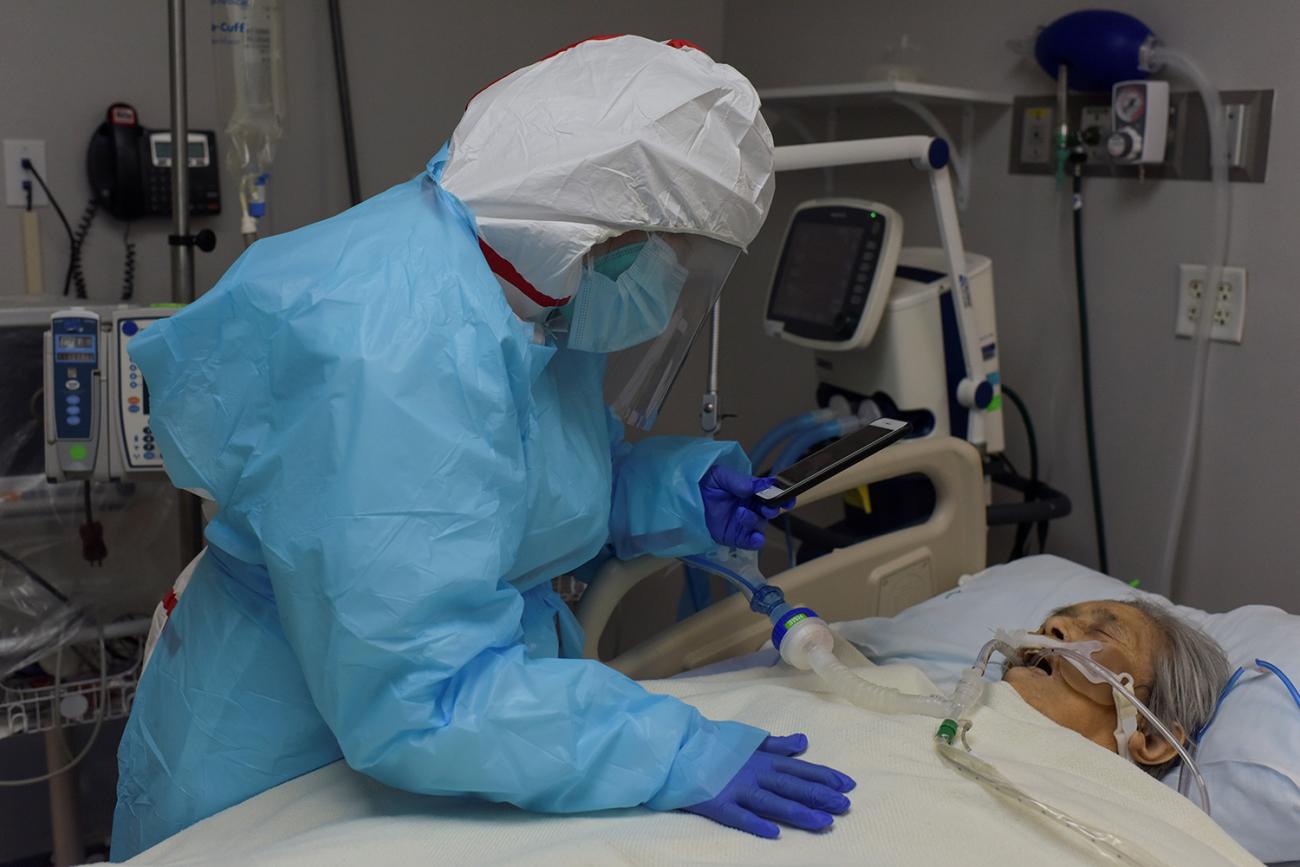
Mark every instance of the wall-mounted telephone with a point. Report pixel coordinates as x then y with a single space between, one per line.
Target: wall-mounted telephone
130 168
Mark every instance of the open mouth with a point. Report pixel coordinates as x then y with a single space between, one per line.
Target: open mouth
1039 664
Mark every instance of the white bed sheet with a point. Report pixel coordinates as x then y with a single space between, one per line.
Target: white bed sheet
909 808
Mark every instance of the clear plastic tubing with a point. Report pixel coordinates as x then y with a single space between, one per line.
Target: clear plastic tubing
806 642
1079 654
869 696
1094 670
1218 257
740 568
1112 847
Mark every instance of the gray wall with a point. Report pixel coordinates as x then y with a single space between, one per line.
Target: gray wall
413 67
1247 494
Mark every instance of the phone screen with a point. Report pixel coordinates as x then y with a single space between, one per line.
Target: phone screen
836 457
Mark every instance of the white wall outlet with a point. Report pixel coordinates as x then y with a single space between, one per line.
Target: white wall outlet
1226 303
1036 135
16 150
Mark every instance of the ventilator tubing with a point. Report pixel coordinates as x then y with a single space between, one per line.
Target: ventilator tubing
806 642
810 644
740 568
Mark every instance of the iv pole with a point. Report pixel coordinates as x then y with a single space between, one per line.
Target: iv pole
65 834
182 242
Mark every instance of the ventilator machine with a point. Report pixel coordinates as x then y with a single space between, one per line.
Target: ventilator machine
884 324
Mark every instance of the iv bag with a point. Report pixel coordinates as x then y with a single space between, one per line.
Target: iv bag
248 56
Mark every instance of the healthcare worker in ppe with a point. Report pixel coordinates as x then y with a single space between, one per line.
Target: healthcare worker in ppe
400 414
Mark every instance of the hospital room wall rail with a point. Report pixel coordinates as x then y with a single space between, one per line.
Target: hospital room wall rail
877 577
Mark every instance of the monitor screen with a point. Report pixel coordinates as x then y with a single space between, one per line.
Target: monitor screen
817 271
162 149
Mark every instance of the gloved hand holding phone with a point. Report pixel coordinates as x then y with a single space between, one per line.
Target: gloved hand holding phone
733 516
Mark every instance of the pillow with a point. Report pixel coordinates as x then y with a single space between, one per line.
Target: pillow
1248 757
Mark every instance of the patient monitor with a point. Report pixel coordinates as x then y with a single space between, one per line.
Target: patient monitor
882 320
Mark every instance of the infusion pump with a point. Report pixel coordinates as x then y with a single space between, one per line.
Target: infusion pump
96 399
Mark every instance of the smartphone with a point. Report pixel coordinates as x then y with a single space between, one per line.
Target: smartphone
834 459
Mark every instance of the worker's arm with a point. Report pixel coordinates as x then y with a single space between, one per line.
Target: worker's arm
657 507
403 505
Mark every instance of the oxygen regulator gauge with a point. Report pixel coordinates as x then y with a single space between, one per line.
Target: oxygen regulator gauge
1130 101
1140 118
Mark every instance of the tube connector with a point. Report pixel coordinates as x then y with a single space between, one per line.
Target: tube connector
967 693
801 633
947 730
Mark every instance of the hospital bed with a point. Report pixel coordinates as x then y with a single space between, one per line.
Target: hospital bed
336 815
875 578
870 582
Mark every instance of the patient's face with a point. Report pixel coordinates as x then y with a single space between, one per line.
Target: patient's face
1055 688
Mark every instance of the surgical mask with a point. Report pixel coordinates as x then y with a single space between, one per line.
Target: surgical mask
626 297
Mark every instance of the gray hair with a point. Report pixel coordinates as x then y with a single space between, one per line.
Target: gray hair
1188 675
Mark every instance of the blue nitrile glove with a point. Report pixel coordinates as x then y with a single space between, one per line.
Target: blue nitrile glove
774 786
732 515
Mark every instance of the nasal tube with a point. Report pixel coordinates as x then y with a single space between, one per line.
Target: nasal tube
1098 673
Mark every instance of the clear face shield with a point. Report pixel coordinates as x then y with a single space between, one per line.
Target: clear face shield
674 278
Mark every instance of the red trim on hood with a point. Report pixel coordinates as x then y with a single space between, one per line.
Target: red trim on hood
507 272
671 43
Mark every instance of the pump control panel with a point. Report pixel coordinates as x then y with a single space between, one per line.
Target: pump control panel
72 386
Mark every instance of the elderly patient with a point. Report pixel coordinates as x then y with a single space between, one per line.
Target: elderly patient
1177 672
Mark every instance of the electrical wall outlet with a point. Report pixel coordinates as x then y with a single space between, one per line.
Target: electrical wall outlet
1226 303
16 150
1036 135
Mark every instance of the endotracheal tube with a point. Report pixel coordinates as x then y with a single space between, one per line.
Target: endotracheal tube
806 642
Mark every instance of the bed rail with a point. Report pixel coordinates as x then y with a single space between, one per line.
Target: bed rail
878 577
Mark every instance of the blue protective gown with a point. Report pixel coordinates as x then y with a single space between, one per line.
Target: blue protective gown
400 470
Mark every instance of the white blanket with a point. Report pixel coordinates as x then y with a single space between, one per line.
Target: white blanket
909 807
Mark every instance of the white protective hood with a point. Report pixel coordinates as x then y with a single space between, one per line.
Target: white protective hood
610 135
